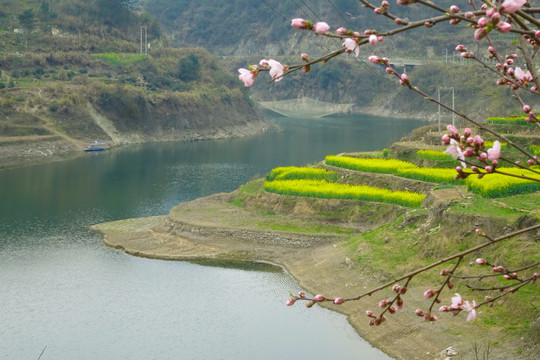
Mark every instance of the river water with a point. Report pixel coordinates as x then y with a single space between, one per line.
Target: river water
63 293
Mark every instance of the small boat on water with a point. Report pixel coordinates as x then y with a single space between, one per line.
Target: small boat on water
96 146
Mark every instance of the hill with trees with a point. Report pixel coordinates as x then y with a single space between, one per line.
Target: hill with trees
241 30
72 72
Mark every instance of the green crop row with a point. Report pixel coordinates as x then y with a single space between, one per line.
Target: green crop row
327 190
385 166
514 120
492 185
433 155
296 173
120 59
497 185
394 166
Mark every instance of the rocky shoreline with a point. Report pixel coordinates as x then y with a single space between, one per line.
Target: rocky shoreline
36 150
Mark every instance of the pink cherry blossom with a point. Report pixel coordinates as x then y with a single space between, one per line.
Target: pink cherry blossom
452 130
495 152
299 23
342 31
276 70
429 293
445 140
375 59
338 300
470 308
511 6
351 45
291 301
522 76
319 298
455 151
481 261
478 141
503 27
321 28
246 76
456 301
373 39
404 80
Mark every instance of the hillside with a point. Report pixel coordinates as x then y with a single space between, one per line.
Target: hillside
71 74
233 31
340 246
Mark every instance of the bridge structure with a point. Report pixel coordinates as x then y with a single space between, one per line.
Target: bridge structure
305 107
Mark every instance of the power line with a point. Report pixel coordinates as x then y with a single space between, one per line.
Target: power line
310 9
340 14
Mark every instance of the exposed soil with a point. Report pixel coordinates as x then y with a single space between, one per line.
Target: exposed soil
214 228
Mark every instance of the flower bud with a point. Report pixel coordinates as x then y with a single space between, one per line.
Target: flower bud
302 294
319 298
375 59
396 288
419 312
404 80
291 301
383 303
403 290
310 304
526 109
369 313
342 31
445 139
338 300
300 24
452 130
480 232
481 261
429 293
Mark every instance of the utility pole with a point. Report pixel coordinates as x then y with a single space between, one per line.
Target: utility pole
144 42
453 105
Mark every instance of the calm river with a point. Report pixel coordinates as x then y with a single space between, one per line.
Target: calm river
65 293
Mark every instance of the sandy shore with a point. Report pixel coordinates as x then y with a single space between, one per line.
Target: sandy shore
212 228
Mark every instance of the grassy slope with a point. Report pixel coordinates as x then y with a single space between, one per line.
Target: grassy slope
403 240
67 62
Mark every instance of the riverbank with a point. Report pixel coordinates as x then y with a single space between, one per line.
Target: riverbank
263 227
33 150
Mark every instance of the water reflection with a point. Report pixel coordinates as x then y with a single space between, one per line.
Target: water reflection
62 288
